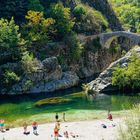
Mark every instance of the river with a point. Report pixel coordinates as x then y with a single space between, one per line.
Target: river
74 102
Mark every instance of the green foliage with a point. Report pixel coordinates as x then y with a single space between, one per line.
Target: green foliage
128 12
47 3
128 76
14 8
79 11
63 21
10 39
9 36
28 84
37 27
10 78
35 5
88 20
75 47
115 49
93 45
11 48
133 126
29 63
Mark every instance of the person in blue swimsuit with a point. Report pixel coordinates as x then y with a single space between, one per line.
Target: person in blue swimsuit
2 125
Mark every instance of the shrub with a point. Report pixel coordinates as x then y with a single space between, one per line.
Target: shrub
75 48
28 84
79 11
29 64
10 78
133 126
93 45
128 77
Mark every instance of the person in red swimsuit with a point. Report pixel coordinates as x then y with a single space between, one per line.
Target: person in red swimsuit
56 134
110 116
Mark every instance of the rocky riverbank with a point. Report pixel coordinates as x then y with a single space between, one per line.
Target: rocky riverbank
48 78
104 82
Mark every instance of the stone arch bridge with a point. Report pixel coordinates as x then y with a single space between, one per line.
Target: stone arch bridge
107 38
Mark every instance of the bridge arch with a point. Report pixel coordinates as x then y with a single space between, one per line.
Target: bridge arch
107 38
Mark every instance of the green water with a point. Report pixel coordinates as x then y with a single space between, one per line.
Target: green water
77 106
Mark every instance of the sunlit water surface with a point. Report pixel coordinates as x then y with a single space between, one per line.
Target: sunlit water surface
75 103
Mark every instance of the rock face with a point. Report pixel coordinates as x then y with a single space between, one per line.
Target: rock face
49 77
94 63
67 80
103 82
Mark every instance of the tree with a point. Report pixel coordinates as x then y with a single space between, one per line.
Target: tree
47 3
10 78
35 5
128 12
63 21
10 38
14 8
38 26
75 48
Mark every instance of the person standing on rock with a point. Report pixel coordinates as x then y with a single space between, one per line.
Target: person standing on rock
64 117
56 117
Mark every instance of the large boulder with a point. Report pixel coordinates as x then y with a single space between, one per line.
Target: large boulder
69 79
50 64
104 82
